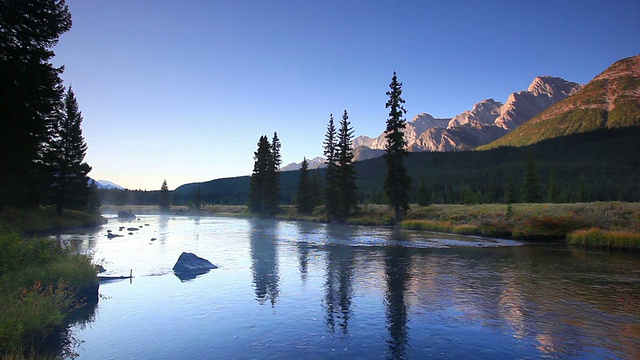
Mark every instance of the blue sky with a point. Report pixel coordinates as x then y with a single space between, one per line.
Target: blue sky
182 90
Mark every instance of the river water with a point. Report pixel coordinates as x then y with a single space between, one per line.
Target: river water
297 290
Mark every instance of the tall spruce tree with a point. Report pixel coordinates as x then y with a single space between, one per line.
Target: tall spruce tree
30 92
398 181
531 191
305 201
346 173
65 158
164 202
259 182
272 192
332 186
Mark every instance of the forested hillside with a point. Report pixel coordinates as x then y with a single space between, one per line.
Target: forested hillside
597 166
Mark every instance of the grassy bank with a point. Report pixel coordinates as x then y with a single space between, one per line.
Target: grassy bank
41 282
518 221
41 219
609 239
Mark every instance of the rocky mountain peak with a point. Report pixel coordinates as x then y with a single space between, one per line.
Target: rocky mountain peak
483 113
610 100
553 87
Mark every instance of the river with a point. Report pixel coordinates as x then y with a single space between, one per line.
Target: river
298 290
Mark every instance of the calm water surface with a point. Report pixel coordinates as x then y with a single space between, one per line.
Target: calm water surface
295 290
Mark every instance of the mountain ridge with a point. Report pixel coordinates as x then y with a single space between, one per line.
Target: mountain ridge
610 100
487 121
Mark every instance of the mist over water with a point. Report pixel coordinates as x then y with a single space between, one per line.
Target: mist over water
315 291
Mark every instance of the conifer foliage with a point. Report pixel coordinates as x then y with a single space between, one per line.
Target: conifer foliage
66 152
305 198
332 202
398 181
164 201
348 197
30 94
264 193
341 189
531 191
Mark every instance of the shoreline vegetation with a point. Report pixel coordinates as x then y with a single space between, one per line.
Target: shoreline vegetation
44 286
610 225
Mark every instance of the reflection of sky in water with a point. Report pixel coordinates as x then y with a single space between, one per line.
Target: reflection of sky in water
290 290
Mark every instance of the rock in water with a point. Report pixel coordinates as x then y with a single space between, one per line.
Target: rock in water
126 215
188 262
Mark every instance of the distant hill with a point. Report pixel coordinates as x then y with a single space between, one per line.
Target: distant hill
610 100
603 162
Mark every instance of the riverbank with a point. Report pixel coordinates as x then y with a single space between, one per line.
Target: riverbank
41 220
515 221
42 283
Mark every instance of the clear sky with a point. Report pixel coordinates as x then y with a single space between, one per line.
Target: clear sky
183 89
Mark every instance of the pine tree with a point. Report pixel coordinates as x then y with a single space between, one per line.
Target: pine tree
346 173
305 203
398 181
316 188
272 192
259 187
332 187
94 203
553 191
583 195
531 191
424 194
65 158
30 93
164 201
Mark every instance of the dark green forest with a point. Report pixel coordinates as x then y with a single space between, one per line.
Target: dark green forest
603 165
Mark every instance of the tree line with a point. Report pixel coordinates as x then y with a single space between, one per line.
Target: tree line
340 191
41 138
594 166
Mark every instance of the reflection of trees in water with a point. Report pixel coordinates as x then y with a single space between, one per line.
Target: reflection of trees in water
264 258
397 270
303 259
338 287
304 229
163 224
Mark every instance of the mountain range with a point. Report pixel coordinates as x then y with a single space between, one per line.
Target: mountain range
487 121
610 100
314 163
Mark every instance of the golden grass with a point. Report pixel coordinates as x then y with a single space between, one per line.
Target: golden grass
609 239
